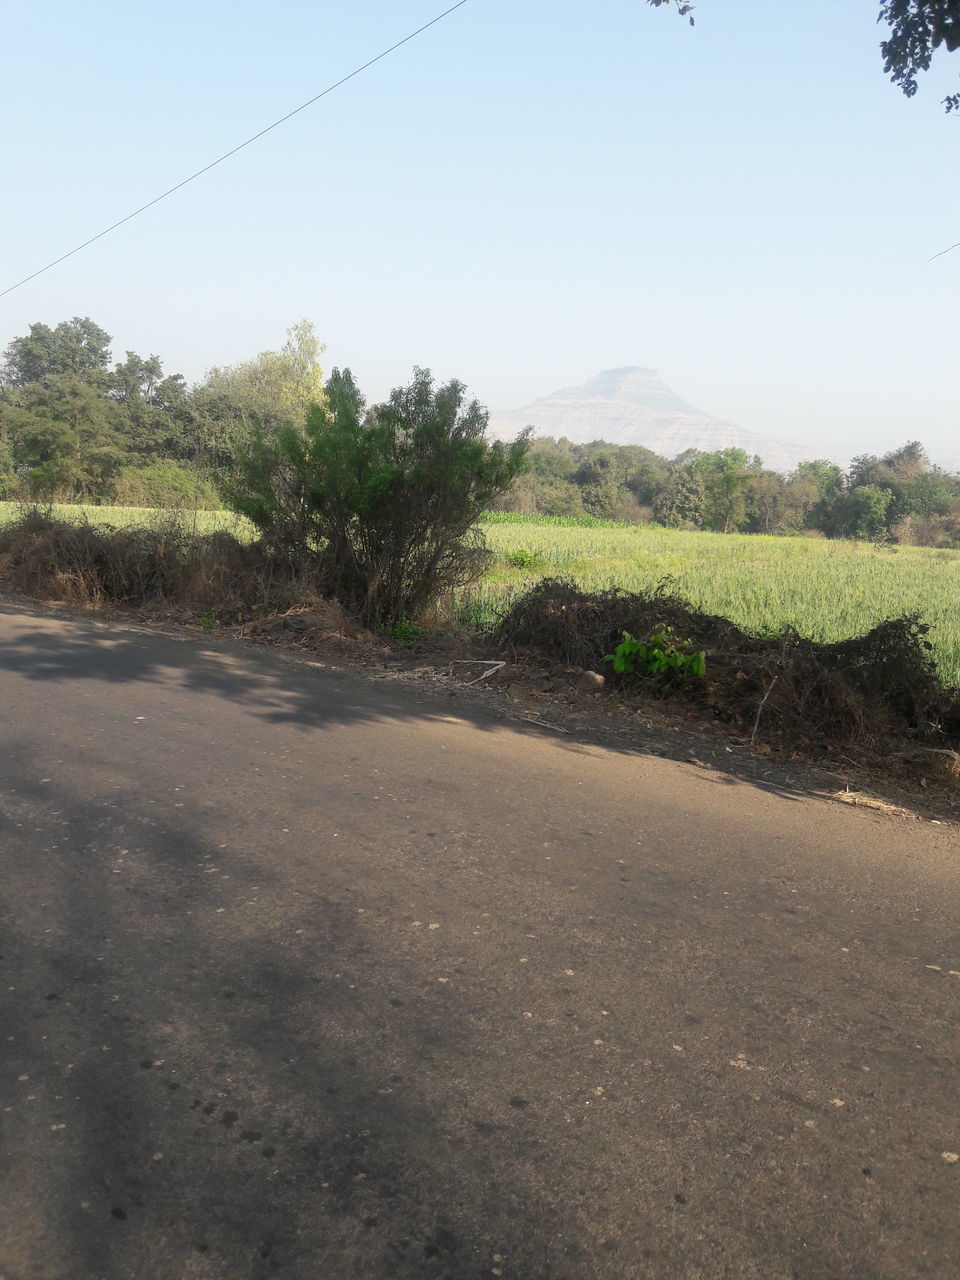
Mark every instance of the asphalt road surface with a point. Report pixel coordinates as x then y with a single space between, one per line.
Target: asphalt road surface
307 974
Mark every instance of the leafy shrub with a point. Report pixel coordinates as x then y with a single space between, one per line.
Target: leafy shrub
558 618
403 631
660 655
164 483
384 503
8 473
522 558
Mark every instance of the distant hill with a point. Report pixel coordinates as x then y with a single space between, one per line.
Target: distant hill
635 406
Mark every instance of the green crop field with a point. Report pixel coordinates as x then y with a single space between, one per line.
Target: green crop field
120 517
827 590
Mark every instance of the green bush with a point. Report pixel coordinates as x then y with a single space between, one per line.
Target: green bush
522 558
8 474
164 483
384 501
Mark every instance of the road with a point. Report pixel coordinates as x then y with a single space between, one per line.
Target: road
307 974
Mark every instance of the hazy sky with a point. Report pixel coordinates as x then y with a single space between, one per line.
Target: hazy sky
530 192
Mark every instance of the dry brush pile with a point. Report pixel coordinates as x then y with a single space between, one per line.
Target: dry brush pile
879 691
159 564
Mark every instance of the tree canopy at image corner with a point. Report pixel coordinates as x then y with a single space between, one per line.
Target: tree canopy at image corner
917 28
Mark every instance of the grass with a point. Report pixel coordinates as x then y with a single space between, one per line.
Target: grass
827 590
192 520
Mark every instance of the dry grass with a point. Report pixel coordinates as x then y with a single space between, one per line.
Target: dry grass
160 564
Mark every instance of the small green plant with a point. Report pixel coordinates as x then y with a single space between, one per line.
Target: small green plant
660 655
522 558
405 631
209 622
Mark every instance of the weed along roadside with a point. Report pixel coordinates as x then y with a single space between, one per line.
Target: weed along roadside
869 707
827 590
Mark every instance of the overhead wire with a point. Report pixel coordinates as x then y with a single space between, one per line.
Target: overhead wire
233 150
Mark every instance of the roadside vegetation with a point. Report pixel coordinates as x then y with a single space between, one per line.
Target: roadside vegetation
376 507
880 690
875 691
826 590
273 497
158 563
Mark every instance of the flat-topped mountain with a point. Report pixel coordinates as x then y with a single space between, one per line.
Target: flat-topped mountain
635 406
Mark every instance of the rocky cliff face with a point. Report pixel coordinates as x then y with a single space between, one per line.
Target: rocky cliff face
635 406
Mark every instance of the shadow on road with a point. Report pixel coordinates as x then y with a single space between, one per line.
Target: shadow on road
279 690
202 1099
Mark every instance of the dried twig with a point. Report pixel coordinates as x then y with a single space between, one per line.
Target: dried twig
756 723
541 723
493 665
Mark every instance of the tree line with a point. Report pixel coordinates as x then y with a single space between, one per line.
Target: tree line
77 426
897 497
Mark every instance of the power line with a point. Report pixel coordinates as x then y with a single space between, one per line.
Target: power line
233 151
949 249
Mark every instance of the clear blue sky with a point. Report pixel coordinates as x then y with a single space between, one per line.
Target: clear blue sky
530 192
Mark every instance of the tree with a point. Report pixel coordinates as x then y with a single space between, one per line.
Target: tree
63 434
77 347
819 487
909 461
865 469
275 388
8 474
912 485
917 29
135 379
680 504
551 460
723 474
383 502
154 416
867 511
684 9
344 398
602 493
644 472
767 509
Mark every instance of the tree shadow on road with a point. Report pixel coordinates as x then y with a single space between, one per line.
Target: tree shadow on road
277 689
231 1093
